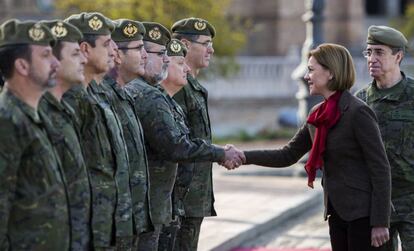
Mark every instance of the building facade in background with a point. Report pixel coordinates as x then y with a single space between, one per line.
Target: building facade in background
277 28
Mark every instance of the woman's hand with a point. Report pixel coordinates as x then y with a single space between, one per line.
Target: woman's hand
379 236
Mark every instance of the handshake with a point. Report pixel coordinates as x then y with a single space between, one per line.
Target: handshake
233 157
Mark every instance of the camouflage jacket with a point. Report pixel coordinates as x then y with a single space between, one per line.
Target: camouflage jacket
138 164
99 162
123 209
167 142
199 201
394 108
34 213
58 121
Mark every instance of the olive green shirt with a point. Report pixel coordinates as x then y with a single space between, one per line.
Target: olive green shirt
34 212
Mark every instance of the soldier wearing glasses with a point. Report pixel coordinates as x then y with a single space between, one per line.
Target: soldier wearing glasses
130 61
196 191
391 96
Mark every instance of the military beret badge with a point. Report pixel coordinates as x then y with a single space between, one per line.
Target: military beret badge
36 33
200 25
130 30
155 33
95 23
59 30
175 46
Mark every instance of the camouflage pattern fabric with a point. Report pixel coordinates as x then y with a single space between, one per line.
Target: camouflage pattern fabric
394 108
167 142
123 208
196 193
138 164
99 162
57 118
34 212
199 201
148 241
187 236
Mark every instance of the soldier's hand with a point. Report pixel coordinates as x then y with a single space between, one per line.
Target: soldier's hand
233 157
379 236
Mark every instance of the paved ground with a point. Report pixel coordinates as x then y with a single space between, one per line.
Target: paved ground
308 231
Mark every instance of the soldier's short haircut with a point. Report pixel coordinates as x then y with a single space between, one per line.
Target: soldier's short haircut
9 54
122 46
57 50
90 39
336 59
148 45
188 37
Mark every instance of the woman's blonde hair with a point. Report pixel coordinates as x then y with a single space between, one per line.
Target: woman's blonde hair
338 61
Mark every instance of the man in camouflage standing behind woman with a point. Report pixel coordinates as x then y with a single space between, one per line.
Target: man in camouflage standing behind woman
391 96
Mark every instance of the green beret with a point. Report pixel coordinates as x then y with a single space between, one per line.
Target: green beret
64 31
15 32
156 33
386 36
193 26
92 23
127 30
176 48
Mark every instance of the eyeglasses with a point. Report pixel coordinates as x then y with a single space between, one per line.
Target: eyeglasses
378 52
159 53
140 48
207 44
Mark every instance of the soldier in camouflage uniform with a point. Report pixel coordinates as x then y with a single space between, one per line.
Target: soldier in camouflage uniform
58 119
391 96
197 35
1 82
129 64
176 79
100 130
34 213
166 134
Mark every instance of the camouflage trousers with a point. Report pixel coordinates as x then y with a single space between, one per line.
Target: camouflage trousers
402 224
187 237
148 241
122 244
168 235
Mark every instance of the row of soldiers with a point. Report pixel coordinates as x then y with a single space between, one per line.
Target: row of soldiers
101 146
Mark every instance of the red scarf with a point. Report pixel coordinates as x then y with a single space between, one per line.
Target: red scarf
323 118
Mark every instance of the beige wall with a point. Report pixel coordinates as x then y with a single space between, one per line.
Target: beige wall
278 28
345 23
